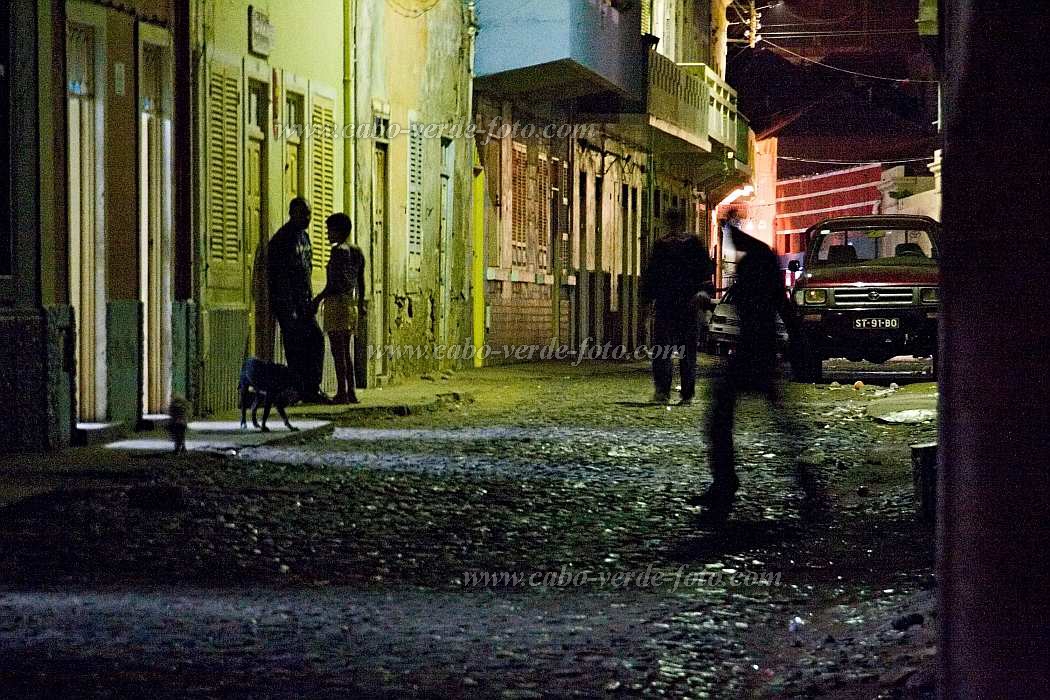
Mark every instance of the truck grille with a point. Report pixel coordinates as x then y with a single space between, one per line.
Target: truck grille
873 296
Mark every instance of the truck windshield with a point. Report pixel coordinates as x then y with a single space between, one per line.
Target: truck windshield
873 246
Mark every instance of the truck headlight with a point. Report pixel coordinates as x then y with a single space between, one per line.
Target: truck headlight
815 297
930 296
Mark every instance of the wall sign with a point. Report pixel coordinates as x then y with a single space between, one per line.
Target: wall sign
260 32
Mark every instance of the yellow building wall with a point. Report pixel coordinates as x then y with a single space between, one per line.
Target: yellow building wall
307 53
306 58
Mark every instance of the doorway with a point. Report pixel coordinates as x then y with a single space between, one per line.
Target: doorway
255 222
87 257
155 221
379 320
600 279
448 165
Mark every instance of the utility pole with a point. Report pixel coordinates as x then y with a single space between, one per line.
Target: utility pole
751 17
752 35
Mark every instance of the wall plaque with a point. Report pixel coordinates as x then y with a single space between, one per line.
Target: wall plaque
260 32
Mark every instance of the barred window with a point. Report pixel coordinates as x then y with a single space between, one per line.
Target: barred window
543 211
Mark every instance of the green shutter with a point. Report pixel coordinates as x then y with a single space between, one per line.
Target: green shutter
225 264
322 176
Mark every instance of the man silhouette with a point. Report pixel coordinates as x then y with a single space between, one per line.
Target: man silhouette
679 269
289 269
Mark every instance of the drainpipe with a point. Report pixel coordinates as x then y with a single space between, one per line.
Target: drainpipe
574 298
478 178
349 111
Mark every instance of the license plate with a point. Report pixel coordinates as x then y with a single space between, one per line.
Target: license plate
875 324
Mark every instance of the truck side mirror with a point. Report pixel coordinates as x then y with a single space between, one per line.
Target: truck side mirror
794 266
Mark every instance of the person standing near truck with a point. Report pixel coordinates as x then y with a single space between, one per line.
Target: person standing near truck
679 271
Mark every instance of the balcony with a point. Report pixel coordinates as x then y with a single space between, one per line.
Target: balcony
560 49
677 106
688 112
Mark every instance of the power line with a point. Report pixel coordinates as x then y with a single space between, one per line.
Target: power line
899 161
843 70
812 23
844 32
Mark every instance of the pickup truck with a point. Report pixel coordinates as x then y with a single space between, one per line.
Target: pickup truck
869 290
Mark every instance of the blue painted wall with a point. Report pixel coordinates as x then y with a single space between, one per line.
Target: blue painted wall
514 35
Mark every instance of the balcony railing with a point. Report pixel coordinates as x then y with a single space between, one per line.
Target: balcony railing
928 18
715 118
678 98
723 117
743 142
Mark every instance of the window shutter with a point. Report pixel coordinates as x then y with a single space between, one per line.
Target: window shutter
561 172
322 176
543 210
225 266
415 199
519 205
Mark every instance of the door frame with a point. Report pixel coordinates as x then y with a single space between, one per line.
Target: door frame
262 327
446 226
380 318
94 16
157 334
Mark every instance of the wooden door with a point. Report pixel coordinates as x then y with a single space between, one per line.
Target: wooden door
379 318
86 280
154 230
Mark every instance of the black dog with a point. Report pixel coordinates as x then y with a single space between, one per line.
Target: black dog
273 383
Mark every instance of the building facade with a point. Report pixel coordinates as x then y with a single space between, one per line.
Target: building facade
95 280
268 104
412 179
805 201
903 193
595 117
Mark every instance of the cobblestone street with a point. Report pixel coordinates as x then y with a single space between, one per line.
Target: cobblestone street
398 556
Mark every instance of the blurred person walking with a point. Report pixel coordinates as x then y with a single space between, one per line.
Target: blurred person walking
759 297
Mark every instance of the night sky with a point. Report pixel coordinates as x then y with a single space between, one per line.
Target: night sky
823 113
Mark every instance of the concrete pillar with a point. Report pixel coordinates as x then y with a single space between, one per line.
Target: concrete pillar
994 519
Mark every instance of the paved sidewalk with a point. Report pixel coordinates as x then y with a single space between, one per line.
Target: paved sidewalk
224 436
23 476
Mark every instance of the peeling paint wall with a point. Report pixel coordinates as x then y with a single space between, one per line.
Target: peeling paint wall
414 68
